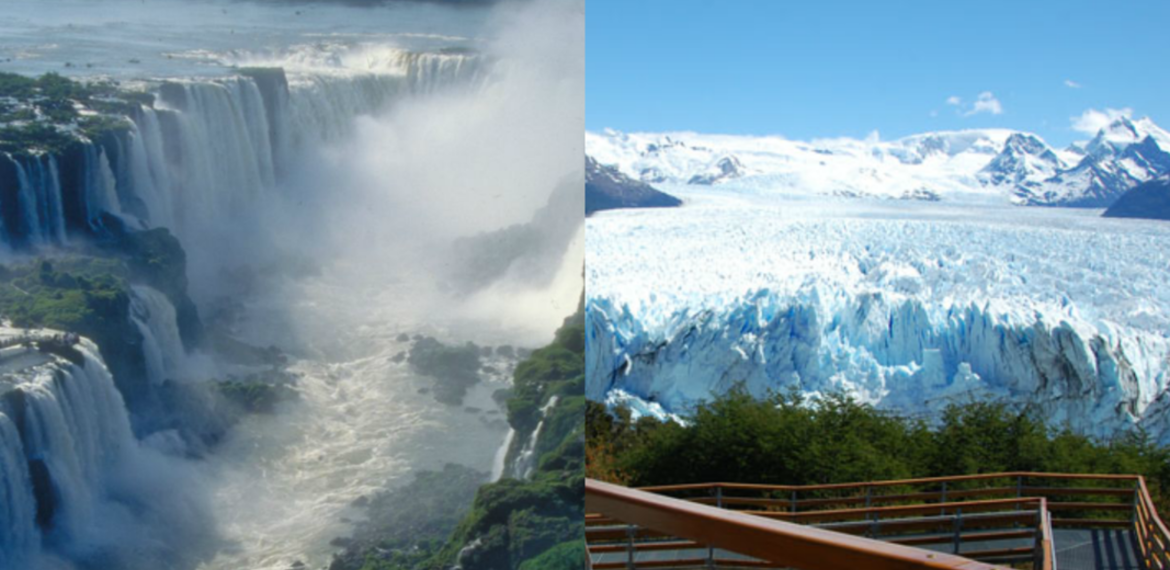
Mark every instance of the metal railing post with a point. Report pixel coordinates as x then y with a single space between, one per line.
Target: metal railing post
943 499
1019 486
868 496
875 525
792 502
711 549
1038 555
630 552
958 526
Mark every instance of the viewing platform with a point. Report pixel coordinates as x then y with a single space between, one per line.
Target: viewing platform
1041 521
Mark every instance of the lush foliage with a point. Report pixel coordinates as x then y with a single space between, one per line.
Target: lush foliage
537 522
785 440
82 295
34 108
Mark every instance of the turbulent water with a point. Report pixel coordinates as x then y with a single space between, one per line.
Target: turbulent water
316 195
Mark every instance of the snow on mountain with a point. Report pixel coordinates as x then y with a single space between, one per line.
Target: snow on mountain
909 306
987 164
1121 156
1024 161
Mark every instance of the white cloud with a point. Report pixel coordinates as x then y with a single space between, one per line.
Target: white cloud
1093 120
954 100
985 103
1071 84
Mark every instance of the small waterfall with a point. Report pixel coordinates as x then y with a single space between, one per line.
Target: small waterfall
63 430
526 461
500 461
162 345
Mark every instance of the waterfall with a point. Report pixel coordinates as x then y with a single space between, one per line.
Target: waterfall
209 153
500 461
18 531
63 430
38 201
526 461
162 345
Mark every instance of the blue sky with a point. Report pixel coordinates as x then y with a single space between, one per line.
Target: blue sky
848 67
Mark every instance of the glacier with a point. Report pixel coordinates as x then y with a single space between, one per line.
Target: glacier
909 306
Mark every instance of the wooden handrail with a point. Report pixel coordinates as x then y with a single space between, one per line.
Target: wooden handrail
779 542
806 547
1045 550
886 483
1152 536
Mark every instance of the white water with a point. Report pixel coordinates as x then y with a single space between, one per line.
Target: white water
73 418
208 156
499 463
361 423
40 200
154 316
200 164
526 460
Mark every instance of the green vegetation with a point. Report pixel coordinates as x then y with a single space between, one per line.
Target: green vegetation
534 523
39 114
565 555
531 524
786 440
83 295
33 138
88 292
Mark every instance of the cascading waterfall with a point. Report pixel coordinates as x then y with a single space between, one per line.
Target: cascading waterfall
499 463
18 531
63 431
203 156
207 152
526 461
154 316
39 200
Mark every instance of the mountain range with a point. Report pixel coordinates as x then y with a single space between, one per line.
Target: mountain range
984 164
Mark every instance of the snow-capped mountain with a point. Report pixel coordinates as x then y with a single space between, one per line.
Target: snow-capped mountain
1121 156
989 163
1023 163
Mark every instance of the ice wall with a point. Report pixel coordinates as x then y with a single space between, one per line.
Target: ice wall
892 351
